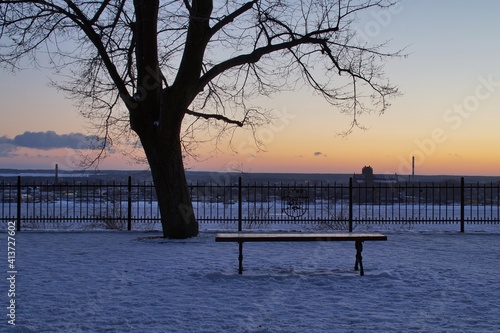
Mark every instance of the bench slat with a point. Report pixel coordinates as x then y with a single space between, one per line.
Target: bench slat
296 237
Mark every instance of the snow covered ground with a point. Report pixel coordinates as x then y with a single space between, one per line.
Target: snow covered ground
115 281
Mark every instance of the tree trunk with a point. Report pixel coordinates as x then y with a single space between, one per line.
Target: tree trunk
156 113
164 154
156 116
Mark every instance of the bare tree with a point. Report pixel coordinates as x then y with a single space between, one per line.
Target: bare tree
147 65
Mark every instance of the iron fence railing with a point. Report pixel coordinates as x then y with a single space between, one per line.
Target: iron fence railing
339 205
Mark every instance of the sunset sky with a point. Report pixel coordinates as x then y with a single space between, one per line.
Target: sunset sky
448 116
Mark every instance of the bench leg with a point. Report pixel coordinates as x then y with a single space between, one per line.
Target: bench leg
359 258
240 258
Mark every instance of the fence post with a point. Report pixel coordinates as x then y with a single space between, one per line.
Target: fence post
240 206
240 226
462 205
350 204
129 207
19 199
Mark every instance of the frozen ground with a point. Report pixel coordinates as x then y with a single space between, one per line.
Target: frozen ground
422 281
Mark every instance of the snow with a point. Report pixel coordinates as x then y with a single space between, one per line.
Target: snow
135 281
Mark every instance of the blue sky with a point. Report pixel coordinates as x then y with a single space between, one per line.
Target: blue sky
448 115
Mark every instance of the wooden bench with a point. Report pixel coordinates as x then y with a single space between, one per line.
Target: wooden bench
358 238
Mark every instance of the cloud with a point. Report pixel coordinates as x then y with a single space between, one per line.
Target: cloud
6 150
5 140
51 140
318 153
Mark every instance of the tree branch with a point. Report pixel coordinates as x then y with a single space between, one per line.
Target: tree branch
99 11
216 116
188 6
231 17
82 21
252 57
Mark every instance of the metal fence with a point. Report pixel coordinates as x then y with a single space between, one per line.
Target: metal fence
130 206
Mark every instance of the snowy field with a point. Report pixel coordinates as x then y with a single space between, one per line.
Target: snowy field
115 281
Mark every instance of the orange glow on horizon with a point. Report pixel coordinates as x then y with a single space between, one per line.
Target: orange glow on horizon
434 164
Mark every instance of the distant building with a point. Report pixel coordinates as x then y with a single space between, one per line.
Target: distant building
375 189
368 178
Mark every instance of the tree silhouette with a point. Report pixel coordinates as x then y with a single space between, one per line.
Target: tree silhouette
150 65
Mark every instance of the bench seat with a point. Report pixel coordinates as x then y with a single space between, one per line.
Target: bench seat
358 238
297 237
